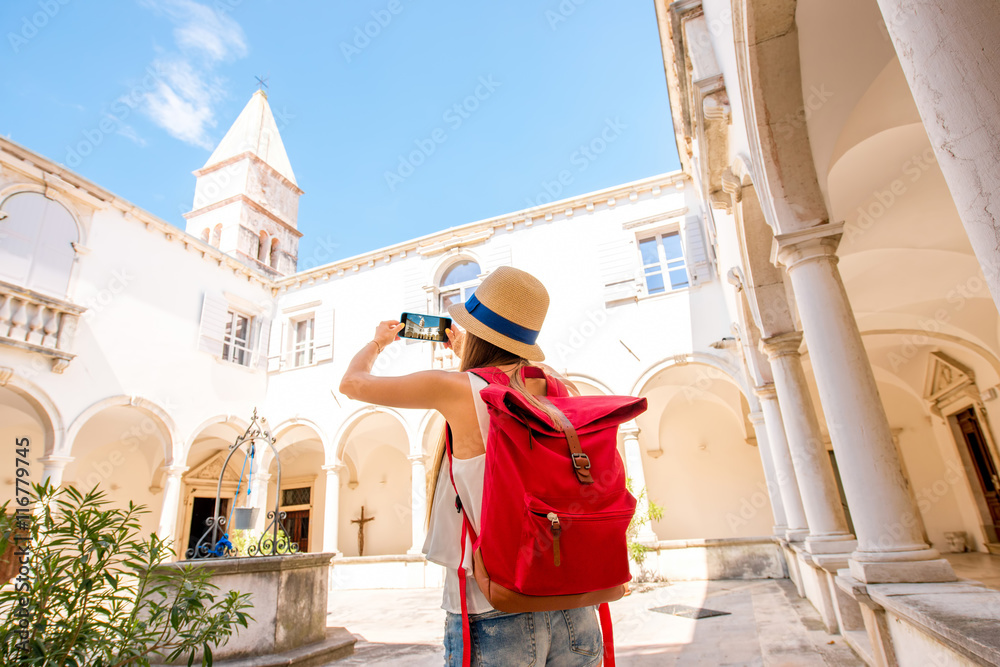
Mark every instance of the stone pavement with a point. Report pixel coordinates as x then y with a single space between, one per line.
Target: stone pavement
768 624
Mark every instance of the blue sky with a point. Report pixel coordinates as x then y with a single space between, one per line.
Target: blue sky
133 94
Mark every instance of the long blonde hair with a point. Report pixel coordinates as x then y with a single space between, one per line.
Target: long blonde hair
479 353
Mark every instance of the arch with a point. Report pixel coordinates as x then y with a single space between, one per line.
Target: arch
262 247
450 258
169 429
12 189
238 425
593 382
273 254
733 373
216 235
428 423
281 429
343 433
38 227
770 84
45 408
205 233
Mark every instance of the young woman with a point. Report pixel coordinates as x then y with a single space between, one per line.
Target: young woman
501 322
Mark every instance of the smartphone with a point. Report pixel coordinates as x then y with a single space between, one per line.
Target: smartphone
424 327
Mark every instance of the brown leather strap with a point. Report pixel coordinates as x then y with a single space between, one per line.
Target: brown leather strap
580 461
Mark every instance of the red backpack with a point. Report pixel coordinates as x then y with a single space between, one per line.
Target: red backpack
555 507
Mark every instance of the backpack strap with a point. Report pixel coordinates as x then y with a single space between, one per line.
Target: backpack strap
467 531
604 613
493 375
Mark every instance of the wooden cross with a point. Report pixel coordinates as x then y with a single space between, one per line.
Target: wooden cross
361 530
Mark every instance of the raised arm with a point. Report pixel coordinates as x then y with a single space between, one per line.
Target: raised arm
437 390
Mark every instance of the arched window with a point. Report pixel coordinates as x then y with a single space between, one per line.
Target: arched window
217 235
36 243
262 248
458 283
274 253
204 234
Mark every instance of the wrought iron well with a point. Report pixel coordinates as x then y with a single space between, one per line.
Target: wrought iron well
215 542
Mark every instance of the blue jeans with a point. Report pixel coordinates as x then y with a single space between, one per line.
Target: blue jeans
569 638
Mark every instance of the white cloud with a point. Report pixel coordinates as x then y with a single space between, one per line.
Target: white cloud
129 133
182 101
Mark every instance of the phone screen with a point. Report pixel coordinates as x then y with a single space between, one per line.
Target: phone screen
424 327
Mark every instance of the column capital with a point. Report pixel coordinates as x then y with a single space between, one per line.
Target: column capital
782 345
415 459
334 468
629 429
175 471
804 245
56 461
756 418
766 391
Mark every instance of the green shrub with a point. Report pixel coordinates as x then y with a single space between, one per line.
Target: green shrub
97 597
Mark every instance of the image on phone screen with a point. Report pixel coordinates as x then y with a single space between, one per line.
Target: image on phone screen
424 327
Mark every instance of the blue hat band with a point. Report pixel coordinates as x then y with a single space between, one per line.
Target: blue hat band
499 323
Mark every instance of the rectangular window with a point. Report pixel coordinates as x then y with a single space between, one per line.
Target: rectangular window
663 266
303 341
236 343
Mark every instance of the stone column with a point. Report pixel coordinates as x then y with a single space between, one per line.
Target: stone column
813 471
331 513
633 468
890 547
784 471
770 477
53 467
949 53
172 482
418 502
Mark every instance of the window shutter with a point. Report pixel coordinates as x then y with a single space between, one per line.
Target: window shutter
414 294
275 351
698 266
261 349
618 263
212 329
323 335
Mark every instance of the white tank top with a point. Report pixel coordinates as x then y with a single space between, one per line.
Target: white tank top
443 543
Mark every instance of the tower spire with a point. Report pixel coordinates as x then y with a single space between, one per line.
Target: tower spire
246 196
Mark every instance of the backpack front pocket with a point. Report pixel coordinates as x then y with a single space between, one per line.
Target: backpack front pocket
560 548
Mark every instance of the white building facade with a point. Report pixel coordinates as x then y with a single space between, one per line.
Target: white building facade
813 418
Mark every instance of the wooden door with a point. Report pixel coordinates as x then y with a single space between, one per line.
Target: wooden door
297 525
982 462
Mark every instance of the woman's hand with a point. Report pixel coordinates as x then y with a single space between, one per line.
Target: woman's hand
456 340
386 332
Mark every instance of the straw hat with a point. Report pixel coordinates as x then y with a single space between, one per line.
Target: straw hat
507 309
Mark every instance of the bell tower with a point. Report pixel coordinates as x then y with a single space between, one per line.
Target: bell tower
246 200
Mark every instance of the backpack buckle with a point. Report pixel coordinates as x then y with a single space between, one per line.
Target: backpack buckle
583 456
458 503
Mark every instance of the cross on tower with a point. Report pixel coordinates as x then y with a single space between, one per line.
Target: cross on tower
361 530
261 82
